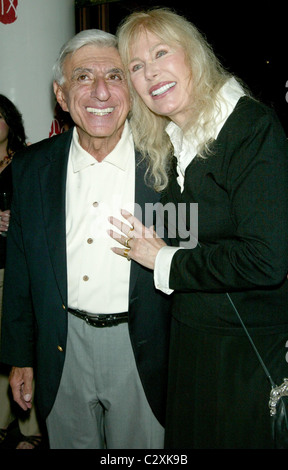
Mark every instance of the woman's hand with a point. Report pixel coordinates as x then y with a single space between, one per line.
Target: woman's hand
139 242
4 220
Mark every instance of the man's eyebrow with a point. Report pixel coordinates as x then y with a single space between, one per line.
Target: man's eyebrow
86 69
116 70
82 70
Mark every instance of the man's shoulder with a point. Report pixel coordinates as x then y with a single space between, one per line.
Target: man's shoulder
56 141
38 152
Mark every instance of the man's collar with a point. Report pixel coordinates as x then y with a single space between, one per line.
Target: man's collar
118 157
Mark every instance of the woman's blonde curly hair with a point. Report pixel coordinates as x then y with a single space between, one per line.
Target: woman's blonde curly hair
207 75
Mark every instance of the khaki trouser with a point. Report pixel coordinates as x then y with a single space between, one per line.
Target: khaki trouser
100 401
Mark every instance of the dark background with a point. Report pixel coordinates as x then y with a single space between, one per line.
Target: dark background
249 38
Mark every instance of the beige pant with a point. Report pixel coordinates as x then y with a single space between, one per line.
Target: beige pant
28 426
100 401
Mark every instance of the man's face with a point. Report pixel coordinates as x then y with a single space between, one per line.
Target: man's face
95 93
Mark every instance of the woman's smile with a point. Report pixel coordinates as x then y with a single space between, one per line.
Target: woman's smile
161 76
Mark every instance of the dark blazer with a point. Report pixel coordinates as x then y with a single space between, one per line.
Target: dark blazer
35 292
242 194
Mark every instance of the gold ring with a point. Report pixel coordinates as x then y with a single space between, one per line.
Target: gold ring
131 230
126 252
126 243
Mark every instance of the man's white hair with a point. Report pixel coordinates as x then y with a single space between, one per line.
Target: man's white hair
84 38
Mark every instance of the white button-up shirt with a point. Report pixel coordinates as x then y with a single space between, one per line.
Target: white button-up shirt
98 279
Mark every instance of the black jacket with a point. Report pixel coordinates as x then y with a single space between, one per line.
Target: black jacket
242 194
35 292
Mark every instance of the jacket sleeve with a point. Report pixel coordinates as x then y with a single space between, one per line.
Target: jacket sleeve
17 342
257 187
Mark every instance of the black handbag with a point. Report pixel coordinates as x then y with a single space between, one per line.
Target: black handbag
278 400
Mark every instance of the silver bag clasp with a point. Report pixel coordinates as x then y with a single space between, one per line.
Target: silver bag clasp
275 395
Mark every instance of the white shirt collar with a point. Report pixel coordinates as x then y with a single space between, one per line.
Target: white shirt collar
81 158
228 97
185 149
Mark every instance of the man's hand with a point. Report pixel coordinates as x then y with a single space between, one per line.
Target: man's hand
21 379
4 220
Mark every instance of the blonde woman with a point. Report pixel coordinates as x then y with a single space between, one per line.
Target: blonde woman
209 143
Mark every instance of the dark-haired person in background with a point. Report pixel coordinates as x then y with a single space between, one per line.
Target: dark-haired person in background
12 139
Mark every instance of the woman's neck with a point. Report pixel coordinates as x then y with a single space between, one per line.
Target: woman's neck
3 149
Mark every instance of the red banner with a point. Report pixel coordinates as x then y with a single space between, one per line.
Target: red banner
8 13
55 128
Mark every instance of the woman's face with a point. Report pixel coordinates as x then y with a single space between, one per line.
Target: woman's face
4 130
161 76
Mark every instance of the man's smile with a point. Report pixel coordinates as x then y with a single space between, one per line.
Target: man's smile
99 111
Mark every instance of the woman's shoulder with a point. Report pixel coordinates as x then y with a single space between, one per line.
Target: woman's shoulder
249 111
250 117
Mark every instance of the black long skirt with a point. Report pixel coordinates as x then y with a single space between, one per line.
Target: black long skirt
218 393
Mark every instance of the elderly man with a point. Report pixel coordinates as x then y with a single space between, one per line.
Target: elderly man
89 321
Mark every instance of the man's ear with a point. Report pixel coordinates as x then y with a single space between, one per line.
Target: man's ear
60 96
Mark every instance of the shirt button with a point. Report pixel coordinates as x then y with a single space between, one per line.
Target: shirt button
60 349
95 204
90 240
85 278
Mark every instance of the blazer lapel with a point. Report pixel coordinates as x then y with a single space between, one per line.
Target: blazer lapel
139 183
53 193
143 194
